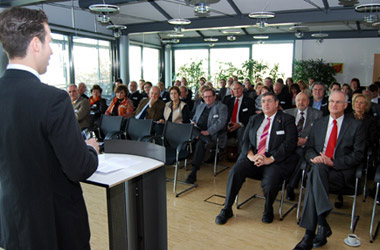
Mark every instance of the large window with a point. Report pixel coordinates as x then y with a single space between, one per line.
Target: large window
144 63
185 57
58 71
92 63
135 63
276 53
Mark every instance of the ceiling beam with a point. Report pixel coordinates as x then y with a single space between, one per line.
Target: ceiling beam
161 10
245 31
358 26
236 9
12 3
327 6
201 34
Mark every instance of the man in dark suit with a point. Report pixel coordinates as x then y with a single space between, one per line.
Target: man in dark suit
133 94
240 109
43 155
152 108
164 95
82 88
223 90
335 147
185 97
284 98
305 117
210 120
318 100
269 141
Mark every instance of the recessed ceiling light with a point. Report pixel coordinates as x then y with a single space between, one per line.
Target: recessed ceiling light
262 15
367 8
319 35
175 35
370 18
260 37
232 32
231 38
108 8
179 21
202 8
170 40
211 39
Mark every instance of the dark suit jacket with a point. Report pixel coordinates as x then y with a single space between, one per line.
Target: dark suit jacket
247 109
285 99
311 116
155 112
43 158
136 98
222 93
165 97
350 147
283 140
324 106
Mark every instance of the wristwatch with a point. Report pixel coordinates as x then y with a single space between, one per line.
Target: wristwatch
272 158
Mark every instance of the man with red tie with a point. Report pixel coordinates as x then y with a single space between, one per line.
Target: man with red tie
267 153
336 145
240 109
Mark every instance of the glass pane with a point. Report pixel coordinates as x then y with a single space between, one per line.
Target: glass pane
223 66
151 65
58 71
272 54
186 57
135 63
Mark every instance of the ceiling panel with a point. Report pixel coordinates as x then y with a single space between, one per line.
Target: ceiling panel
142 9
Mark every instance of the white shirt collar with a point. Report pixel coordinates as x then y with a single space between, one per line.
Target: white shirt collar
25 68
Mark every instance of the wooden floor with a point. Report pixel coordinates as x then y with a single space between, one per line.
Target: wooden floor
191 220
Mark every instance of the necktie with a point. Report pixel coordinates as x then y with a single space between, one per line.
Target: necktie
332 141
235 111
300 124
143 113
263 138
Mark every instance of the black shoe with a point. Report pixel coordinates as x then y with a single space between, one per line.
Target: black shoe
290 196
192 178
267 217
322 234
339 202
305 244
224 215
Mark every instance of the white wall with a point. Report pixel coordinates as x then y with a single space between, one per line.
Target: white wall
356 54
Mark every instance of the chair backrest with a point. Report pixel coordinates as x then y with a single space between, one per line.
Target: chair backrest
137 128
177 133
110 124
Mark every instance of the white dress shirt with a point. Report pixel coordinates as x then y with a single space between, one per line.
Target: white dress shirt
261 130
330 125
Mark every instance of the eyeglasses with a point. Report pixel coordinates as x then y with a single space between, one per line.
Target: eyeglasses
337 102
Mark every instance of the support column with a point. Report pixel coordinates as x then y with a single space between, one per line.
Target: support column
168 65
124 58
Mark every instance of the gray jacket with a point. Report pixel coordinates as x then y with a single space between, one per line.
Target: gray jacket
311 116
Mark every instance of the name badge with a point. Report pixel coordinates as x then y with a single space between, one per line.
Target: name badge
280 132
324 104
164 99
282 102
215 116
134 98
245 110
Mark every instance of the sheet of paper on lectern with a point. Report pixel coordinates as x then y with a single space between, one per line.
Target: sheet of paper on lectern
115 164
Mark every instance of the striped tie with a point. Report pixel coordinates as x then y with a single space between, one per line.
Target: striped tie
263 139
300 124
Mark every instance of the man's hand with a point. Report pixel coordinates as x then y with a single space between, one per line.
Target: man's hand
92 142
205 133
322 159
301 141
232 126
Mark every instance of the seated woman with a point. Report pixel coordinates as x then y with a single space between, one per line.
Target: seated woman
176 110
120 105
98 105
294 90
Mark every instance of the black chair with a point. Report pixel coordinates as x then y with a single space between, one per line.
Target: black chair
135 130
177 140
280 213
372 235
108 126
370 160
345 192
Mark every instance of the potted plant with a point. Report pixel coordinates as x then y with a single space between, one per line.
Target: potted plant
192 72
320 70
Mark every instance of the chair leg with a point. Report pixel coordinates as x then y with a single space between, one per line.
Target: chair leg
175 177
282 199
298 217
372 235
216 158
354 219
365 181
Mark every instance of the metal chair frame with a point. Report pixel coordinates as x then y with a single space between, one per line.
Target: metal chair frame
373 233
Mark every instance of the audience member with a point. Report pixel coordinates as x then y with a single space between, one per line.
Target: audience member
120 105
312 80
147 86
269 141
176 110
189 92
151 108
333 160
81 106
289 82
177 83
319 100
210 120
269 83
223 90
141 86
303 87
304 118
98 105
248 89
285 100
240 108
294 90
355 86
82 89
164 95
263 90
184 97
335 86
133 94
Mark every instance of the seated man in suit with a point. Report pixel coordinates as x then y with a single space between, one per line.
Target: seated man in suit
283 95
335 147
318 100
164 95
210 120
151 108
240 109
305 117
269 141
82 88
133 94
81 107
185 97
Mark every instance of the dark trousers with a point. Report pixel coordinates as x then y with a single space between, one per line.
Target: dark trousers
269 175
200 150
321 180
297 173
238 134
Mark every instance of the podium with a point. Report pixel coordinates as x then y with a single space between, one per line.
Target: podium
136 195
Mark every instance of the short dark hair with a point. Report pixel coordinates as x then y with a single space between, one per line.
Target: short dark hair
120 88
335 83
280 80
270 94
148 83
373 87
97 87
119 80
356 80
18 26
210 89
176 89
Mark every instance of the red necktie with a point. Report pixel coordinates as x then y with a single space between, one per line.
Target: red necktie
263 139
332 141
235 111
